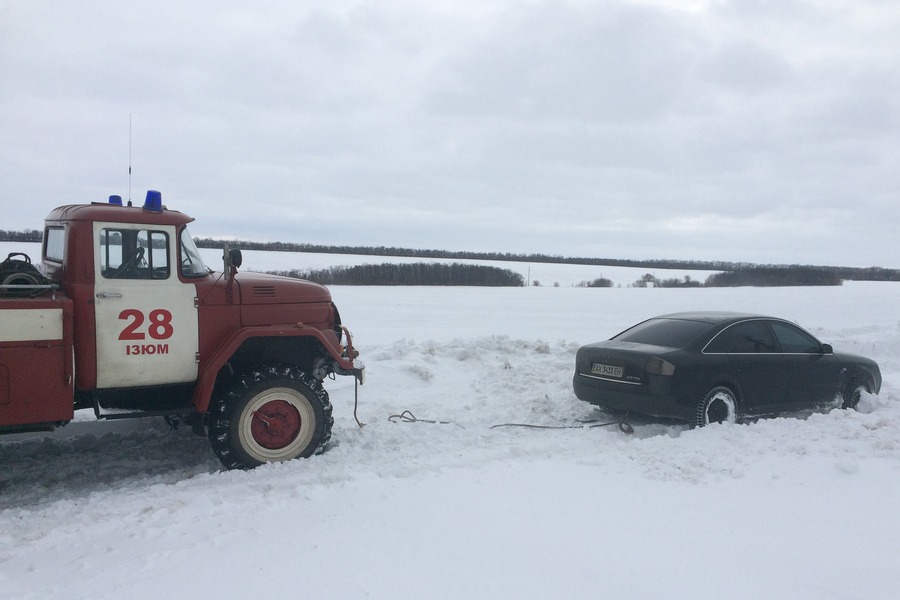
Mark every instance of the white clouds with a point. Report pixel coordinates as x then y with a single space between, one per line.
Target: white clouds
457 124
563 62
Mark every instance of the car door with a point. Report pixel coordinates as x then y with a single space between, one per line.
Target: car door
755 362
146 317
813 375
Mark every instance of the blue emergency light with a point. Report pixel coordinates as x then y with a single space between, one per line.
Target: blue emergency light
115 200
153 203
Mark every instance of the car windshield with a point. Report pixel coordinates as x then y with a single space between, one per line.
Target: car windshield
671 333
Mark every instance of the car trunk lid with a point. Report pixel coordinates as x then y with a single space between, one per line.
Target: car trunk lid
623 362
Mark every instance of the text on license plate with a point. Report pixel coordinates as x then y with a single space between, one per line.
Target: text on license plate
607 370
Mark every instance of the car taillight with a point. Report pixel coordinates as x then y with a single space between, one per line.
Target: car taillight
658 366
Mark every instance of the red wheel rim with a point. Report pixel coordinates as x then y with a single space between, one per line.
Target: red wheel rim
275 424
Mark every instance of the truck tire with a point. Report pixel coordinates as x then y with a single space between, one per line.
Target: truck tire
20 271
271 413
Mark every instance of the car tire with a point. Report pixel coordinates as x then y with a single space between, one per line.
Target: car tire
271 413
719 405
852 392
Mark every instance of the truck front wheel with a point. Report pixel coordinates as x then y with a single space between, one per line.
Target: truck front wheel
269 414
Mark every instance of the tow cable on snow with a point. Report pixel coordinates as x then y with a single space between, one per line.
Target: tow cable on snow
407 417
356 403
625 427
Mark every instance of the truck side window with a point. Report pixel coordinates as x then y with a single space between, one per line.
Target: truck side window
54 244
134 254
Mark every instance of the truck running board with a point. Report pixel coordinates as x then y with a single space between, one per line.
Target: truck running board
174 410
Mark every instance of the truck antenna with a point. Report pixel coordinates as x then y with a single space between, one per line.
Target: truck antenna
129 159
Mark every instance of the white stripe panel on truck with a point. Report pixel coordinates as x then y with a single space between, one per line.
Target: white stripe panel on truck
25 325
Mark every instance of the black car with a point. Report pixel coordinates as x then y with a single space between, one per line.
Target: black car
707 367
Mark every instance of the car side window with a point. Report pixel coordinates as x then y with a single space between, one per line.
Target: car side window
747 337
794 340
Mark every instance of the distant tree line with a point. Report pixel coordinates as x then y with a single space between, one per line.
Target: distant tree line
758 276
455 274
775 277
31 235
601 282
464 255
650 280
842 273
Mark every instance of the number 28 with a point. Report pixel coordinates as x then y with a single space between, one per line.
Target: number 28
159 327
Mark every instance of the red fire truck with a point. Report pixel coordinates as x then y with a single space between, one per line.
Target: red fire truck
124 317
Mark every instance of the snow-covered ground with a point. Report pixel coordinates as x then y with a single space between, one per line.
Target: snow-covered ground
797 507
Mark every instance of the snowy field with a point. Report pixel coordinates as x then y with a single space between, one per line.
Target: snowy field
797 507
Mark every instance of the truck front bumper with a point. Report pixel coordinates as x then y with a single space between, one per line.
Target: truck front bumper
358 370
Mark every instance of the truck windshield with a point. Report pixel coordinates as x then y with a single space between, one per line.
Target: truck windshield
191 261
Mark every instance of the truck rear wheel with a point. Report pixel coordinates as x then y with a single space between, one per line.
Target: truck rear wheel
269 414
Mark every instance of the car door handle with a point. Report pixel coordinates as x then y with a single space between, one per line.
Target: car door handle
109 295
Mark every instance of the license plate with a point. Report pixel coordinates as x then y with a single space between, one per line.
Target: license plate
607 370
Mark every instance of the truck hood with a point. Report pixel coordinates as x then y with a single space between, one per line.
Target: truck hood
260 288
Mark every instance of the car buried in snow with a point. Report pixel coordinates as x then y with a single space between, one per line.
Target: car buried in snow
713 367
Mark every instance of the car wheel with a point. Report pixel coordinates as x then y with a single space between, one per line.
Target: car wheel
719 405
270 414
851 394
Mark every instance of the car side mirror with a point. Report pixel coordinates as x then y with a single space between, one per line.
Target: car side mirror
827 349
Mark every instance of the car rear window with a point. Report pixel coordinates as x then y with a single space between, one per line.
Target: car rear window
672 333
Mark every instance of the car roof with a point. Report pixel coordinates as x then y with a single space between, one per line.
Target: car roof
711 317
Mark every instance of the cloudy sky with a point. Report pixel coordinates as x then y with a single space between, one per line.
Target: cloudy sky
764 131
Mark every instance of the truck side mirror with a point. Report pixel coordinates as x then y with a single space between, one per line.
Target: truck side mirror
232 258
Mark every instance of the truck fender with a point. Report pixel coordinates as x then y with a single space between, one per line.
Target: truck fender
210 368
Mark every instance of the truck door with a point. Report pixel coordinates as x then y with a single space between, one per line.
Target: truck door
146 317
